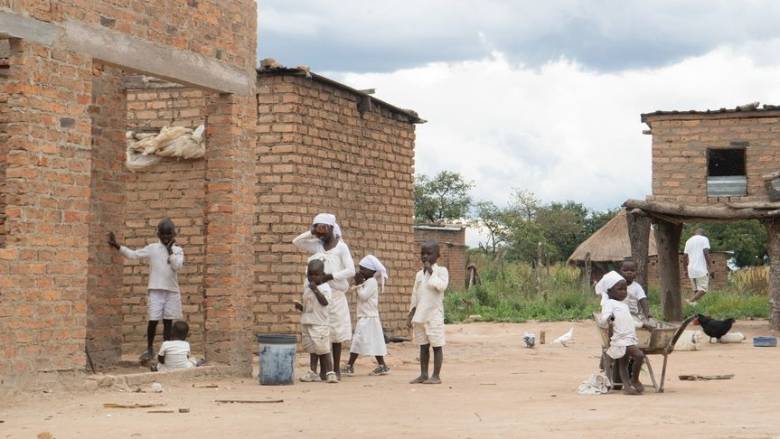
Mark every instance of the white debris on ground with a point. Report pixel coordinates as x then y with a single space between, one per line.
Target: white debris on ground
596 384
145 150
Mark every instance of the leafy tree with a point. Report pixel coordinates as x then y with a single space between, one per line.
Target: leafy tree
524 204
491 219
563 226
444 197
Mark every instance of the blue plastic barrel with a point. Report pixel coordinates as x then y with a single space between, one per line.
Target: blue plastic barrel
277 359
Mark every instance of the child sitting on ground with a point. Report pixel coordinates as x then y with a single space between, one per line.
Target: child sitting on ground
164 301
369 338
427 312
623 343
315 332
175 353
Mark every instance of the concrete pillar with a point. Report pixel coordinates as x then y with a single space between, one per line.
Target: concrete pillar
107 213
230 213
667 239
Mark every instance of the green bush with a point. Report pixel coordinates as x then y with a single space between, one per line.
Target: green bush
510 292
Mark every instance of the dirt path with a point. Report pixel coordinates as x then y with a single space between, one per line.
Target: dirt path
492 388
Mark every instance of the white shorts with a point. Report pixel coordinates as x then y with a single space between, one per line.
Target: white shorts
431 332
616 352
340 323
701 283
164 305
315 339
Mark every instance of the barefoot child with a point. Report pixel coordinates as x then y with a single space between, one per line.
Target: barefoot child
623 343
175 353
164 301
315 322
369 338
324 238
427 312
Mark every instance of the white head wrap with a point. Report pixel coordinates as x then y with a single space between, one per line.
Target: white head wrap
330 220
372 263
607 281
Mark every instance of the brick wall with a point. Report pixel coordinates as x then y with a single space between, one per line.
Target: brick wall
452 252
221 29
43 266
315 152
680 153
173 188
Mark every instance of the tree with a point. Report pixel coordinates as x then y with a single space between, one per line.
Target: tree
524 203
444 197
492 219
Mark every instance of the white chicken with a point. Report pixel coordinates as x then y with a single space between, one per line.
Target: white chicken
566 338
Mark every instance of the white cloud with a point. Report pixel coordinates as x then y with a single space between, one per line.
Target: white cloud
359 35
561 130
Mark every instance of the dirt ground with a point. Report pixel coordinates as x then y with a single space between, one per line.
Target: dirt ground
493 387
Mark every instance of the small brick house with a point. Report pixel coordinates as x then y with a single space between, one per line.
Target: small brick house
708 166
452 248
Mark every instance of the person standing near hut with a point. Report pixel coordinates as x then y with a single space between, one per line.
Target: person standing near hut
697 251
324 237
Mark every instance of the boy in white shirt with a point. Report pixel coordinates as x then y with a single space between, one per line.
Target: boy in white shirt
427 312
165 260
175 353
315 322
623 343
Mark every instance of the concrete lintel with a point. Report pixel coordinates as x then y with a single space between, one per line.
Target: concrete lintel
131 53
18 26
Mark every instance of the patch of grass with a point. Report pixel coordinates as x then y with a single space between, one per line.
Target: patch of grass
510 292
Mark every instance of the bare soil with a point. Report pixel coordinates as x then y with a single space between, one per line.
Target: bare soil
493 387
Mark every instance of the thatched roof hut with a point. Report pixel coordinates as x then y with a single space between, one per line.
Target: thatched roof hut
610 243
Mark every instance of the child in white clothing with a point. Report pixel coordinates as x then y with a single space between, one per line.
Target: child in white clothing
175 353
369 338
315 324
165 260
427 312
623 343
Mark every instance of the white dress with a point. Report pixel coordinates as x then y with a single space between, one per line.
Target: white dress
339 263
369 338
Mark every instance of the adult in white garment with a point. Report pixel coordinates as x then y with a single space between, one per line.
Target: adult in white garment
697 251
324 237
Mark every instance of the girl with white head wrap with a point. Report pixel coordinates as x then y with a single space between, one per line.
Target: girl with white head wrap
369 338
624 343
605 283
339 268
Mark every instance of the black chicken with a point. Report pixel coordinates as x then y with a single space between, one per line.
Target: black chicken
714 328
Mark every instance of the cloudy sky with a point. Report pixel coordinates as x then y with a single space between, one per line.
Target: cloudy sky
537 95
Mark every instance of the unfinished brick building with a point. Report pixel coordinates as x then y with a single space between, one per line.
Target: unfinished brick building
281 146
708 166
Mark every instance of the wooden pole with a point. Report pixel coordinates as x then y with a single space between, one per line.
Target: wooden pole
639 236
667 239
773 248
586 277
